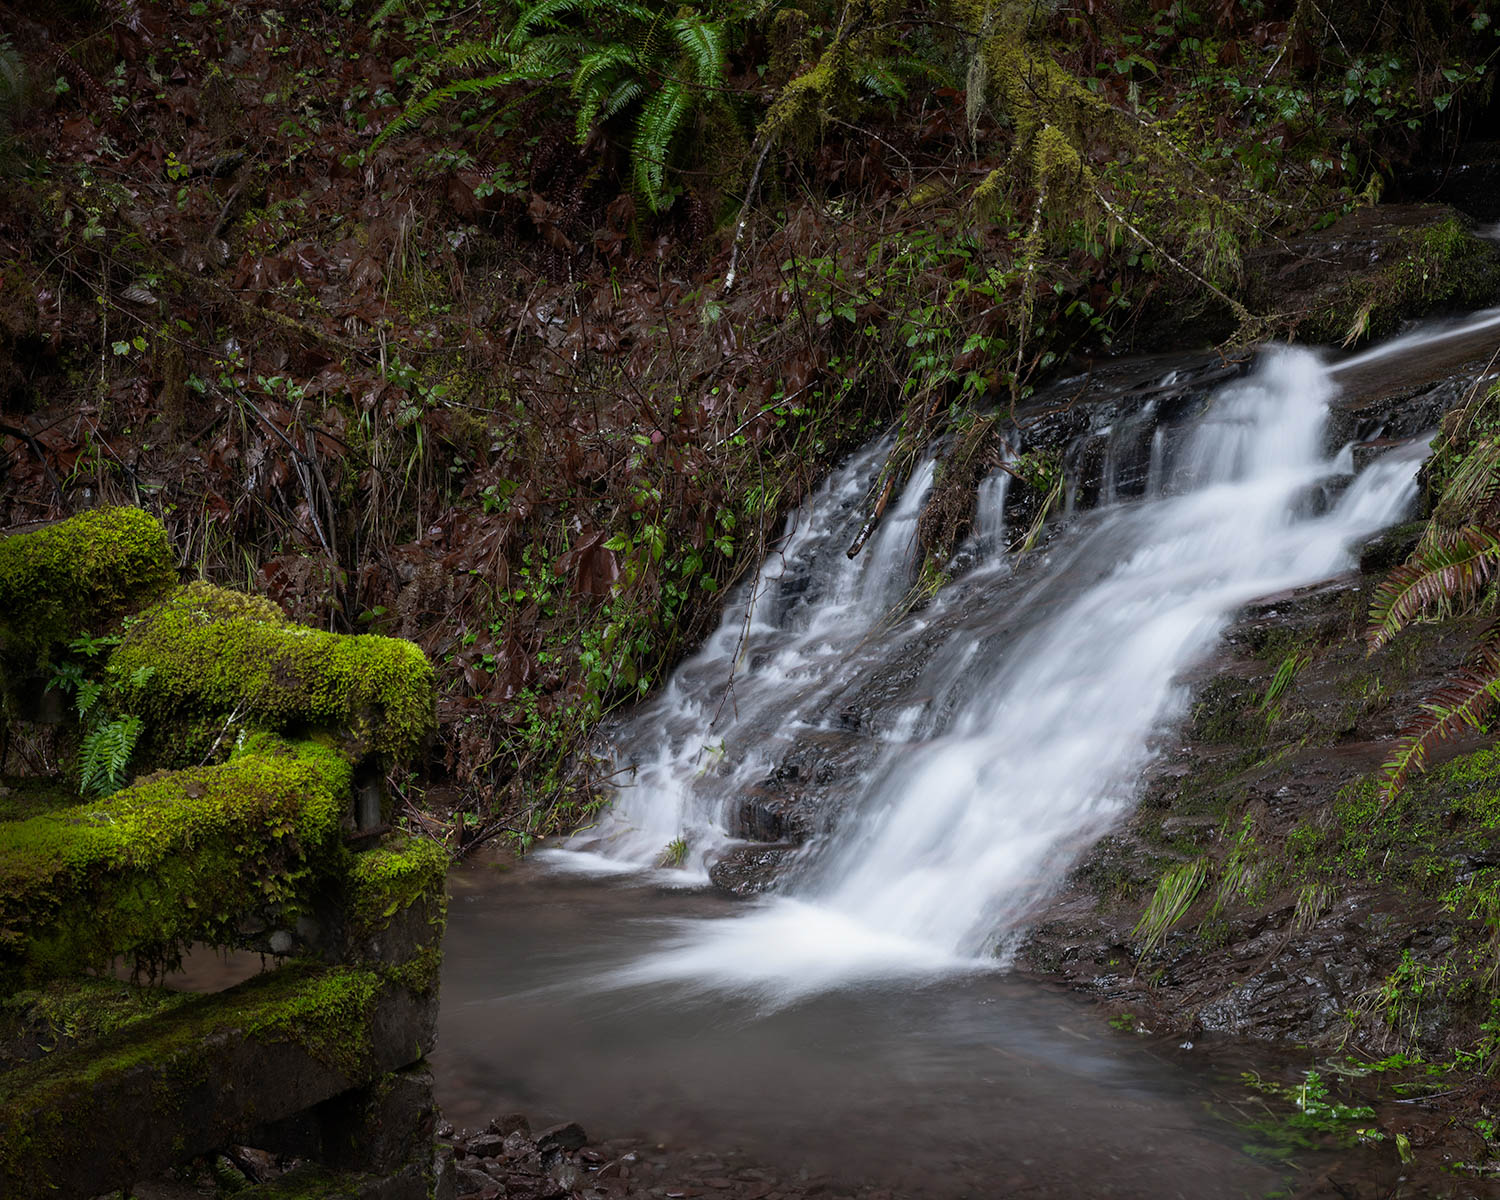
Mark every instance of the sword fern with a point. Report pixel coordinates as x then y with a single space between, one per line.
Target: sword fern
1448 575
613 57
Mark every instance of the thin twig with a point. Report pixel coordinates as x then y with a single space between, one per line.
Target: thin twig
739 231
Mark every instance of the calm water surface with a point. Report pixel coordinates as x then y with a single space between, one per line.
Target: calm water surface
975 1086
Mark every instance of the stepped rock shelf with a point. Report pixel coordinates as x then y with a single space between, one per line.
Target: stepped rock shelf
263 826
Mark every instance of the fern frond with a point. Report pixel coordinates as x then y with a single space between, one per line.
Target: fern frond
880 80
1462 704
89 691
658 121
702 43
416 113
552 15
629 91
591 66
385 10
464 58
592 85
1473 487
104 756
1434 580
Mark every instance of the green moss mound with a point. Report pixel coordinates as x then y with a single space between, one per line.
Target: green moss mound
80 573
173 859
211 656
1443 265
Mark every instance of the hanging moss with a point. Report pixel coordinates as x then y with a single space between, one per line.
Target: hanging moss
78 574
206 656
173 859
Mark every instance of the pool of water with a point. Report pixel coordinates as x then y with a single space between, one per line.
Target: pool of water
974 1085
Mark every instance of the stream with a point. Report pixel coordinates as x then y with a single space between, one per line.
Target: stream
905 791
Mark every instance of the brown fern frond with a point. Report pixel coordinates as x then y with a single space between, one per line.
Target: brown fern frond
1459 705
98 101
1472 490
1435 580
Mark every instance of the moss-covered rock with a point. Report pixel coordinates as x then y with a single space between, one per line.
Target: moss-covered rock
84 1121
391 878
73 576
70 1012
205 656
175 858
1377 267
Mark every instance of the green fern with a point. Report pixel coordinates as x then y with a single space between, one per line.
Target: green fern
104 756
612 56
1439 578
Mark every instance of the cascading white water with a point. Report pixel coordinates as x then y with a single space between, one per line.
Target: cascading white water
1037 719
715 730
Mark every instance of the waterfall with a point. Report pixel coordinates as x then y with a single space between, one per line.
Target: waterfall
1018 736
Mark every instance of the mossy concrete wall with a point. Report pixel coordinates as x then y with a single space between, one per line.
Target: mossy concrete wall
105 1083
109 1114
206 655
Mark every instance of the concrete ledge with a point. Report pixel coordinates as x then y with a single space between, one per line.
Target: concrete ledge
81 1122
175 858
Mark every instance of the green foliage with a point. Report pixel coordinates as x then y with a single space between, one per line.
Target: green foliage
1447 575
104 755
1442 576
617 60
1315 1119
106 741
1286 671
1174 895
1313 900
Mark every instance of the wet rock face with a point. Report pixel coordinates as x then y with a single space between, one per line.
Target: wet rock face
1268 956
750 870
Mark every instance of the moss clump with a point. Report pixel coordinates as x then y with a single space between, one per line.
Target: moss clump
215 654
80 573
173 859
1440 264
390 879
